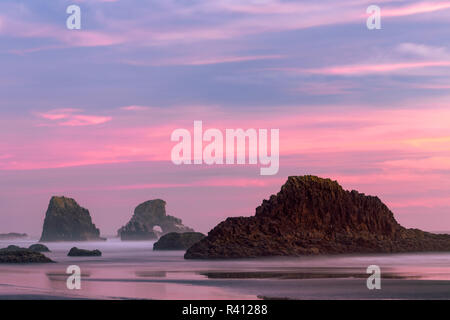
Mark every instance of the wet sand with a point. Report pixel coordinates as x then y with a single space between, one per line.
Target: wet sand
132 270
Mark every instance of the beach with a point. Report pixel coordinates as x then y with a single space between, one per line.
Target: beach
132 270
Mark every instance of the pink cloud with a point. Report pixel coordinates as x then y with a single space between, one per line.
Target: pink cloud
284 16
253 20
58 114
22 28
431 163
238 182
85 120
141 137
416 8
214 182
71 118
199 61
428 202
81 1
432 86
134 108
325 88
218 60
400 155
365 69
5 156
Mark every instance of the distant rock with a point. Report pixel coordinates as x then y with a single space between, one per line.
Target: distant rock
15 254
311 215
146 218
178 241
39 248
65 220
12 236
75 252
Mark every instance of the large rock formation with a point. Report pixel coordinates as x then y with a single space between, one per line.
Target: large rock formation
178 241
15 254
311 215
147 216
65 220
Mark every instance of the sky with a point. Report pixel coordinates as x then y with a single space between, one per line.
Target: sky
89 113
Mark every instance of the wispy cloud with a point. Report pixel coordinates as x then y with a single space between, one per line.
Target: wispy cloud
366 69
249 18
72 118
128 138
134 108
403 58
201 61
415 8
424 51
325 88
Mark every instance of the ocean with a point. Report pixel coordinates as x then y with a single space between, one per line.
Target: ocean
132 270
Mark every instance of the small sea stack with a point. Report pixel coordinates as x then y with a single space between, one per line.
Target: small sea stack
148 217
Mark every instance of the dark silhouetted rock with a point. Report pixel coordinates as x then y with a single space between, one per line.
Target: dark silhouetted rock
75 252
65 220
178 241
13 247
39 248
147 216
311 215
12 236
15 254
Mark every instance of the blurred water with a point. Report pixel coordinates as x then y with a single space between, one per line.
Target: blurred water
133 270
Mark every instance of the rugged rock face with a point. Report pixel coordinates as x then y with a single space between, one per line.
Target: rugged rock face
14 254
148 215
178 241
311 215
12 236
39 248
65 220
75 252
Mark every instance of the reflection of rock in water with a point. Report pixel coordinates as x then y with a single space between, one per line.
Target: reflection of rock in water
148 216
155 274
62 276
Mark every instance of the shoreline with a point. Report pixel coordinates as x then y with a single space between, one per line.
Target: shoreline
132 270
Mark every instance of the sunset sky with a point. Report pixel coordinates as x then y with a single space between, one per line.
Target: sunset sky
89 113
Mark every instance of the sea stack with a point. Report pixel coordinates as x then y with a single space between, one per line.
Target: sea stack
65 220
146 217
311 215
